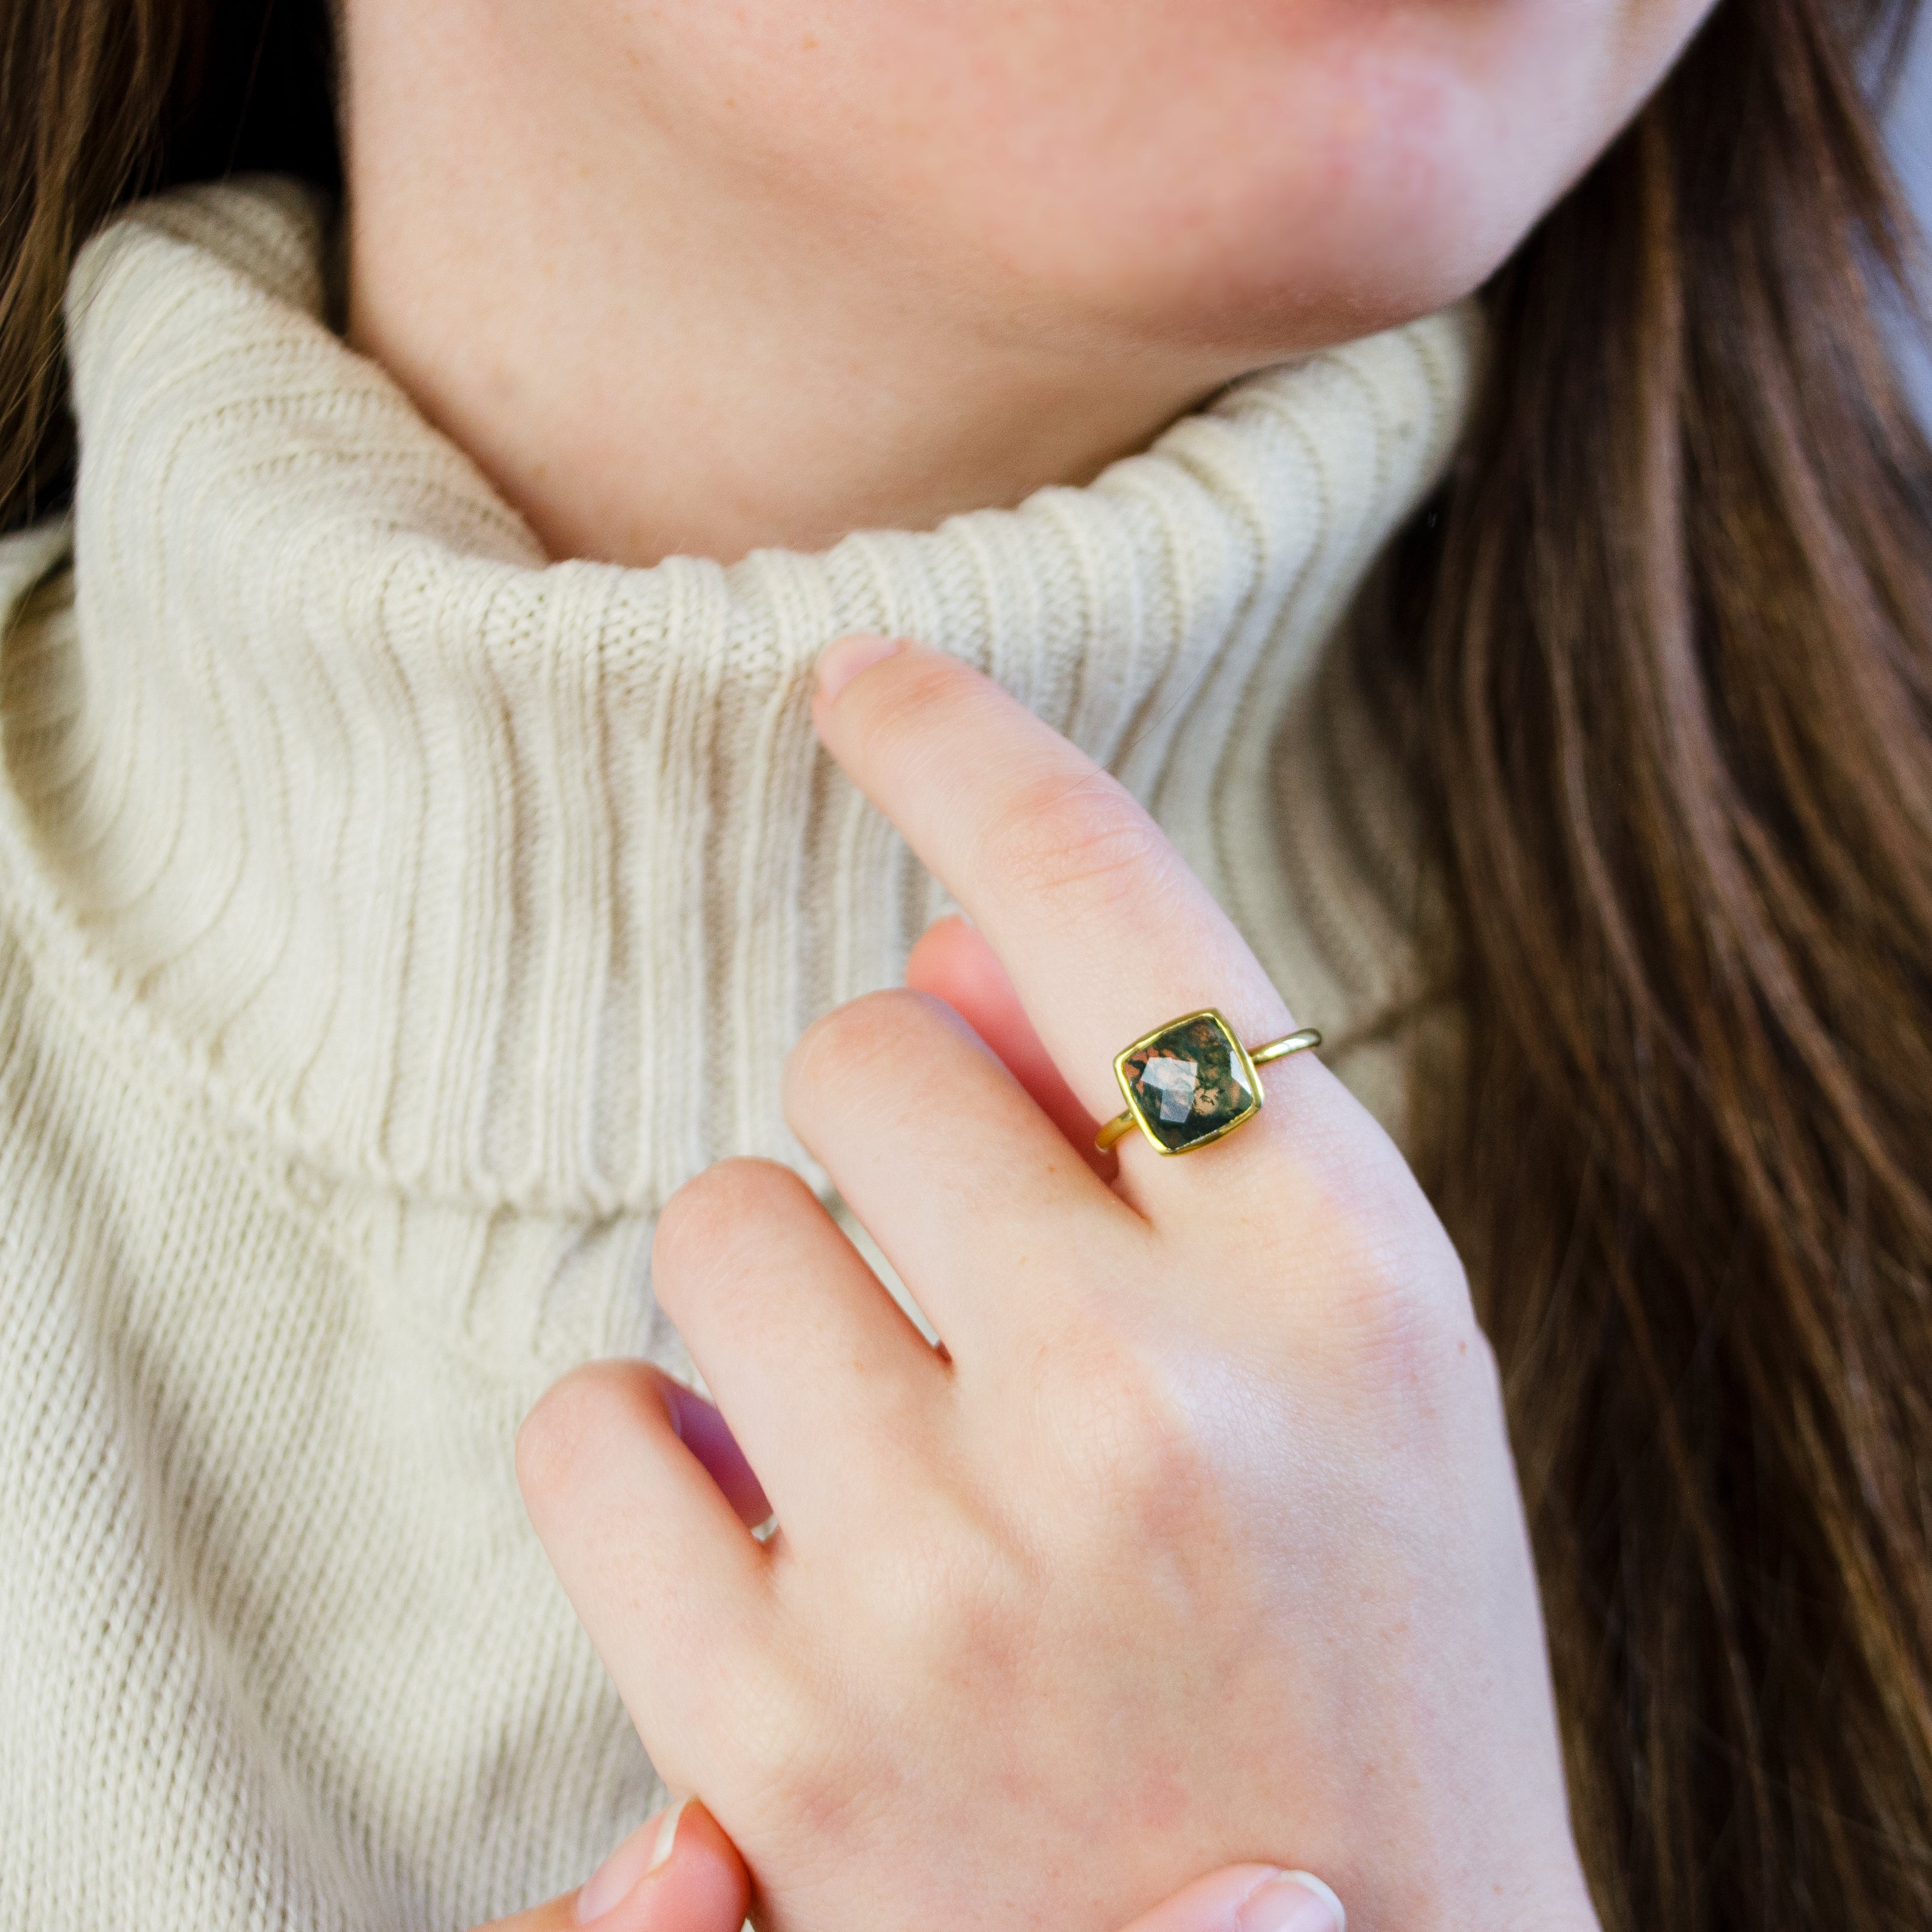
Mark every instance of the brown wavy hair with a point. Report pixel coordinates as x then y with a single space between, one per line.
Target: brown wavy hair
1659 655
1662 657
103 99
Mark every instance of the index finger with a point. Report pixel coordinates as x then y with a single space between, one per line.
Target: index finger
1105 931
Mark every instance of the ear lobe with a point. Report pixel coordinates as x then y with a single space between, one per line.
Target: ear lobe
953 962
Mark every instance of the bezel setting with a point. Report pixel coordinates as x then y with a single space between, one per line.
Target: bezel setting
1219 1073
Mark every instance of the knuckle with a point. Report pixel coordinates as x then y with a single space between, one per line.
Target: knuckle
1137 1443
1125 1430
948 1586
861 1028
702 1224
1399 1302
853 1044
572 1424
1079 834
1352 1217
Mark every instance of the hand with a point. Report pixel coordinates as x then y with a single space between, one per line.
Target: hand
1199 1541
679 1873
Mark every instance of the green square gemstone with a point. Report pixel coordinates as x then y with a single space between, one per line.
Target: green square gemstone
1189 1084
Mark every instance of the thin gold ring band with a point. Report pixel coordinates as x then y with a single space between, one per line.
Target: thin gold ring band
1301 1042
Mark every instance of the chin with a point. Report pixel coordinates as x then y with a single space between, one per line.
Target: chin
1257 176
1265 211
1295 265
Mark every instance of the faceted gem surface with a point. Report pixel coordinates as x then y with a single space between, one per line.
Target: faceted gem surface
1189 1083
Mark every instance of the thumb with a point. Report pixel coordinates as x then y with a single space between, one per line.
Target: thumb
676 1872
1248 1898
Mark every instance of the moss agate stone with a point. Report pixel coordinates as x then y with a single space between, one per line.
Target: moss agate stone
1189 1084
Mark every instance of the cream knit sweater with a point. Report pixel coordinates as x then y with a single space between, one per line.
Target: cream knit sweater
388 923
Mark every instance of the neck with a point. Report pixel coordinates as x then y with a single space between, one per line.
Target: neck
654 348
506 885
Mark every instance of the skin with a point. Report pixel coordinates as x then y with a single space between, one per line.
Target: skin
691 277
1200 1540
696 1882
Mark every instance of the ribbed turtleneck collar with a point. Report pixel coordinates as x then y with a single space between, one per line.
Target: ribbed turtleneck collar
506 882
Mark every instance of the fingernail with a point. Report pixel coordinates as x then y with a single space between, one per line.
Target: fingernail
647 1848
666 1839
847 657
1296 1901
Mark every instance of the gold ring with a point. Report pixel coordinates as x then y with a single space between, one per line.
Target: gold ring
1192 1082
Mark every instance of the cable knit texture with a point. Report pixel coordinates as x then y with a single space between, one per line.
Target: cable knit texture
389 921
